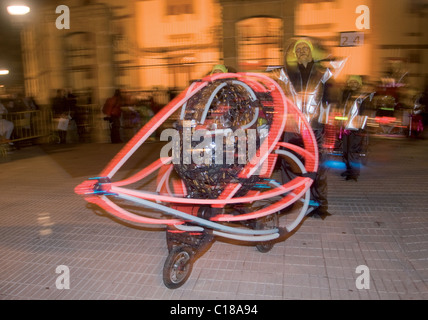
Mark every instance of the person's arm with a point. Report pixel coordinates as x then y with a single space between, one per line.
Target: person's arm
3 109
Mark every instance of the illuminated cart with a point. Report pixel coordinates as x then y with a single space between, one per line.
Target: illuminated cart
217 179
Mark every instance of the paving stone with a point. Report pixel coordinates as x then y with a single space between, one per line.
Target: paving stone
381 221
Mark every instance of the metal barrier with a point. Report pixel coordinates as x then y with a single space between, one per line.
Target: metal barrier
133 118
85 117
29 125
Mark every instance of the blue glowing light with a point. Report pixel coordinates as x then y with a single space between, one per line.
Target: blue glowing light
337 164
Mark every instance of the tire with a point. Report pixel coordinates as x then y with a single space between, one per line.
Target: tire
178 266
268 222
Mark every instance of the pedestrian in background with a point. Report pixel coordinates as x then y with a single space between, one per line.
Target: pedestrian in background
61 114
352 104
112 109
6 126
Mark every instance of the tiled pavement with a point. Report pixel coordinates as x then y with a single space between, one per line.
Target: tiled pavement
380 222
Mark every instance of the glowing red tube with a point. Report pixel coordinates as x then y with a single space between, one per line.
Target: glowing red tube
273 208
281 105
147 130
289 186
143 173
119 212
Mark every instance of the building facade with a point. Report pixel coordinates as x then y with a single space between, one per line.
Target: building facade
391 35
141 45
134 45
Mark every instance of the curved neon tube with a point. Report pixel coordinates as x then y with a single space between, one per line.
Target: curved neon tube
256 84
121 213
147 130
143 173
164 179
188 228
304 209
183 108
247 238
246 86
251 168
289 186
217 76
199 221
303 152
233 188
279 205
298 184
228 235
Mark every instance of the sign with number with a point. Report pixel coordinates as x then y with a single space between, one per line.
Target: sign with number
351 39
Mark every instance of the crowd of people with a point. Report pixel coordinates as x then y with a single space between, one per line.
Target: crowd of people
12 104
63 109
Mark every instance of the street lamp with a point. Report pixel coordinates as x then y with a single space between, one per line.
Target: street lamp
18 10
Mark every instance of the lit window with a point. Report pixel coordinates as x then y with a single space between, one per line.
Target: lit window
178 7
259 43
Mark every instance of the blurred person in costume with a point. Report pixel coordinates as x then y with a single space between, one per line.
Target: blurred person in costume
305 77
353 106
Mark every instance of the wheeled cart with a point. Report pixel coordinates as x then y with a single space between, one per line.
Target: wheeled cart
209 185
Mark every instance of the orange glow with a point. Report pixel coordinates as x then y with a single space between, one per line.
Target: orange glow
162 45
326 21
178 41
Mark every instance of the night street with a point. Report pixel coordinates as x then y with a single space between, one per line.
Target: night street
380 222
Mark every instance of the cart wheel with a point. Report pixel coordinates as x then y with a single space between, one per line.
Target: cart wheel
178 266
268 222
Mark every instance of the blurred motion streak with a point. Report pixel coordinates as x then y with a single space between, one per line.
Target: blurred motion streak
154 49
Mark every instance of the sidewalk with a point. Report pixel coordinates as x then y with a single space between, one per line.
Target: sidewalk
380 222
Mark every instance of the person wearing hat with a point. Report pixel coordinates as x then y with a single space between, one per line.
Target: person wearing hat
112 109
353 103
303 50
305 83
219 68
